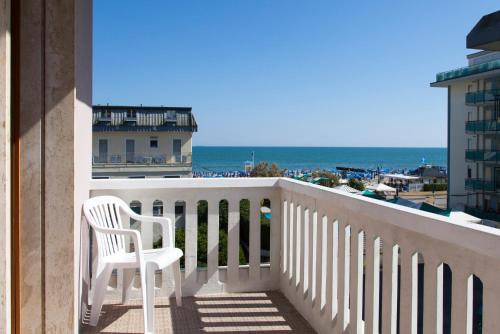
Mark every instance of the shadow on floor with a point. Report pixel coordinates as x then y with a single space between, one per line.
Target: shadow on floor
263 312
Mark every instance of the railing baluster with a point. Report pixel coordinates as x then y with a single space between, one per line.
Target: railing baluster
329 267
147 228
275 237
459 301
213 241
284 230
389 288
430 294
356 284
304 259
406 291
298 244
169 212
233 250
370 288
340 319
292 242
190 264
254 238
311 246
318 262
491 304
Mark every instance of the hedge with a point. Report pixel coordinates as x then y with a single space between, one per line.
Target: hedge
435 187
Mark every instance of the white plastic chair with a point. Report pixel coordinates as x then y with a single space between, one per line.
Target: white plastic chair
103 214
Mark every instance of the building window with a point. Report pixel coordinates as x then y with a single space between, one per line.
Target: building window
131 113
137 177
469 172
153 142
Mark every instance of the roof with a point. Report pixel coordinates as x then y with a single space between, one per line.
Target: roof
380 187
143 119
486 33
401 176
347 189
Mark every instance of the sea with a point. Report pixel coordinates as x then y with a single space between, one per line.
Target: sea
230 158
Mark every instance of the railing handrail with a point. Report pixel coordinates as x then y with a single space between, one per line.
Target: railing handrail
429 224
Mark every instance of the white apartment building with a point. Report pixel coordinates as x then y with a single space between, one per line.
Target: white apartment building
474 124
142 142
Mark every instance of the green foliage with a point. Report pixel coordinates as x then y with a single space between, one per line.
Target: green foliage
202 242
262 169
436 187
356 184
331 181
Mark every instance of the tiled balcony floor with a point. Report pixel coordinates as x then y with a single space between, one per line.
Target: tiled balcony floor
265 312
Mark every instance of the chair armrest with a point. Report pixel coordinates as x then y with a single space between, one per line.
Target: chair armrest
134 234
166 226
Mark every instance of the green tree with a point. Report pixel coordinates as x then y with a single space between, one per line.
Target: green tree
356 184
262 169
331 179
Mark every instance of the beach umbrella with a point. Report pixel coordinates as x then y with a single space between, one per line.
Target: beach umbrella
382 188
371 194
347 189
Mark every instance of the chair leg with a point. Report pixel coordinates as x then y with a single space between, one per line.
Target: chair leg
176 268
128 281
148 294
99 291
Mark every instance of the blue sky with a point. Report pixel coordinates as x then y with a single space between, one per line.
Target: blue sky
287 73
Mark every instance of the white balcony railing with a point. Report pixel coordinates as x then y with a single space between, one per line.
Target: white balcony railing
138 159
345 262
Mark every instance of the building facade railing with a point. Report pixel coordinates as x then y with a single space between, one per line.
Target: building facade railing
482 97
469 70
482 185
482 126
344 261
133 158
483 155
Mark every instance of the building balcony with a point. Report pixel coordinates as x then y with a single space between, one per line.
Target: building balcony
483 155
334 262
467 71
488 126
482 97
482 185
141 159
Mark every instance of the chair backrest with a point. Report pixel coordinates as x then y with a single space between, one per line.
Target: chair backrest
104 212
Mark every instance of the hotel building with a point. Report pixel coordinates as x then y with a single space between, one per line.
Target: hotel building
142 142
474 124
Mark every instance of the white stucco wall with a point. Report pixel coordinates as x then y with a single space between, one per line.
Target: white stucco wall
457 172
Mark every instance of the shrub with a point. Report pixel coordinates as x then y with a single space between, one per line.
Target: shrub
262 169
436 187
356 184
332 179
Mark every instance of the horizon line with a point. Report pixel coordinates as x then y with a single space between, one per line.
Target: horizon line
292 146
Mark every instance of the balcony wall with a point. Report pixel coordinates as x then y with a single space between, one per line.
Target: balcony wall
328 250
